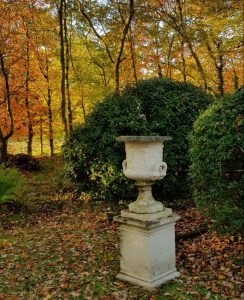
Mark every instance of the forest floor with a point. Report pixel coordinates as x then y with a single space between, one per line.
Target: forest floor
68 248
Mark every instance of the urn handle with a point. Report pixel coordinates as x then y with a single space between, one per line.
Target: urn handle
163 168
124 165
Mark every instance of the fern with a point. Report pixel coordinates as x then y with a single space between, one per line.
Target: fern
9 182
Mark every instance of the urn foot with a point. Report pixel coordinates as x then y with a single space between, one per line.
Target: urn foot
145 203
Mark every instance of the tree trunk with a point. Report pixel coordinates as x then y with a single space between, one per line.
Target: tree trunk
41 135
3 151
186 39
4 139
169 69
218 63
67 59
83 103
183 60
221 80
62 61
27 103
220 68
160 71
49 109
119 59
132 54
30 127
122 43
50 120
236 81
180 28
45 72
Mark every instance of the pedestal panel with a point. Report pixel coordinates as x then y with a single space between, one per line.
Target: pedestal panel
147 250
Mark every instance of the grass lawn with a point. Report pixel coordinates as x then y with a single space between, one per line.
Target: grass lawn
19 145
65 247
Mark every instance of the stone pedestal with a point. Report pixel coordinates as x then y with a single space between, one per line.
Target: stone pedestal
147 247
147 229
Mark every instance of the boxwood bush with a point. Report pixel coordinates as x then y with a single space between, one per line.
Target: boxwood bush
217 155
151 107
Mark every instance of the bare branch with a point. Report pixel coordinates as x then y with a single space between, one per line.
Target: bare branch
85 15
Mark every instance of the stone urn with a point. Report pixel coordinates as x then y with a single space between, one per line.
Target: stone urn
144 164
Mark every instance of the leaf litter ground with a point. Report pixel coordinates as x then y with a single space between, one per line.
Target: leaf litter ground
72 252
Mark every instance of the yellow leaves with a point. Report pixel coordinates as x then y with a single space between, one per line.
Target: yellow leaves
165 294
221 276
106 298
64 285
214 287
211 259
47 297
4 243
75 294
83 274
68 237
237 238
78 244
222 268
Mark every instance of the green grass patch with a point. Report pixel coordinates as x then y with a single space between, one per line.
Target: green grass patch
19 145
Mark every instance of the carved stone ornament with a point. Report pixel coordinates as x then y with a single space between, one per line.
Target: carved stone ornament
144 164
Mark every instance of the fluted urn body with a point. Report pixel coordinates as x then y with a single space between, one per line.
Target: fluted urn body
144 163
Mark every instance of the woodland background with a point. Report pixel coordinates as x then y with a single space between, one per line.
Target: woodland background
59 62
58 58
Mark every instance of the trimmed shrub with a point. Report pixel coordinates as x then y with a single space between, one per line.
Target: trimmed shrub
152 107
217 155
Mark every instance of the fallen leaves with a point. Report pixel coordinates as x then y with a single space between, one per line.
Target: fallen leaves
76 254
211 258
73 253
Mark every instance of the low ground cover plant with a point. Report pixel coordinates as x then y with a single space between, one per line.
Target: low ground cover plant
10 181
151 107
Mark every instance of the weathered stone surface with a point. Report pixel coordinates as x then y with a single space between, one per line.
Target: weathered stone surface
167 212
145 203
143 138
144 163
147 251
144 160
147 229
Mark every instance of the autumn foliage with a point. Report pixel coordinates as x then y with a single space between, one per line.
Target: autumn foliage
58 58
61 62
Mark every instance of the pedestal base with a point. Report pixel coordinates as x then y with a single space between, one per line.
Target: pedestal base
147 250
167 212
149 284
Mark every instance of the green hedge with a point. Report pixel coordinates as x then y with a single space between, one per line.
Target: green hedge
152 107
217 154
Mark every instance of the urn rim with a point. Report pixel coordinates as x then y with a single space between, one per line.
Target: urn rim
143 138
